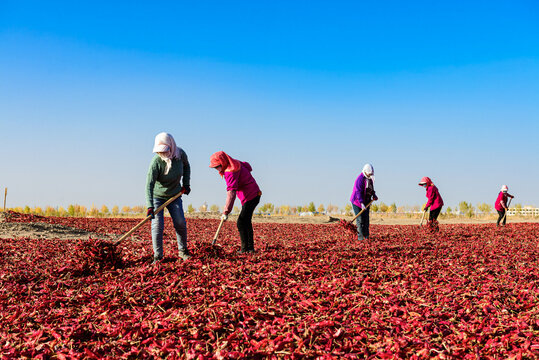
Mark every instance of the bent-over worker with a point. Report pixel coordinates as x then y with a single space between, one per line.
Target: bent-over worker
240 182
434 202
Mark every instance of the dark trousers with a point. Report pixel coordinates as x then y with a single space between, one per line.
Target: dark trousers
501 214
245 224
362 222
434 214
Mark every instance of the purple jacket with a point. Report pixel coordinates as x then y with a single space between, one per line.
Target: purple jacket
360 195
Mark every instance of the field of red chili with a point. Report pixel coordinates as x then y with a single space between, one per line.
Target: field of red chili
471 291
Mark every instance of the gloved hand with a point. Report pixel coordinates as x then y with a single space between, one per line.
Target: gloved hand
425 207
374 197
362 206
186 189
224 217
150 213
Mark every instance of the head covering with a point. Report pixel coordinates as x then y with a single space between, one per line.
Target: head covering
227 163
425 180
166 148
504 188
368 171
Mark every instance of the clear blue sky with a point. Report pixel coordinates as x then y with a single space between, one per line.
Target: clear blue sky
306 91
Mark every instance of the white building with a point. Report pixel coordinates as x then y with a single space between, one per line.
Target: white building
525 211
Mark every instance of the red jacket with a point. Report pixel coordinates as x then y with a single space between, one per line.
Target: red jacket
243 183
434 198
501 201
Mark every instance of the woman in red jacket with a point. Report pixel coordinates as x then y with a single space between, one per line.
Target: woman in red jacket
501 204
434 202
240 182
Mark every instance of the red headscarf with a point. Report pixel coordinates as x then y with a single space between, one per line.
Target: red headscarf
227 163
425 180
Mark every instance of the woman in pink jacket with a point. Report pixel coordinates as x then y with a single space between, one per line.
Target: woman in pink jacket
434 202
240 182
501 204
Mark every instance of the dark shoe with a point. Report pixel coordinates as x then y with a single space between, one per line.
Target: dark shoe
250 245
251 251
242 251
184 255
156 259
244 246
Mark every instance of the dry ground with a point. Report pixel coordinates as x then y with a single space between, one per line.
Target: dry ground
39 230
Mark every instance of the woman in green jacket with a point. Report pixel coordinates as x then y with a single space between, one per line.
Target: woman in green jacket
169 173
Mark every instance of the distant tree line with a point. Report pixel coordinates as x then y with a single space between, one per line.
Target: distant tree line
462 209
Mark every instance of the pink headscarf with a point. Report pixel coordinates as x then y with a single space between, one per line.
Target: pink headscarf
227 163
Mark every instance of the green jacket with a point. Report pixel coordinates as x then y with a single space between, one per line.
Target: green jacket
159 185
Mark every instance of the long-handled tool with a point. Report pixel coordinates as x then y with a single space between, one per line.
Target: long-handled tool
505 215
348 225
217 232
149 217
422 217
361 212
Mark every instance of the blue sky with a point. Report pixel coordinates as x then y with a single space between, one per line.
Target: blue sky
306 91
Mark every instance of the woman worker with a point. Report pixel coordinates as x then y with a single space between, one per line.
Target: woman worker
501 204
434 202
362 195
240 182
169 173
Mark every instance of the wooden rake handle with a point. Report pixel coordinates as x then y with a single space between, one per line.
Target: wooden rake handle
508 204
149 217
217 232
361 212
422 217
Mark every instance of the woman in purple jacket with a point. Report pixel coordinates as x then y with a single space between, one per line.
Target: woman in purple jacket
240 182
361 197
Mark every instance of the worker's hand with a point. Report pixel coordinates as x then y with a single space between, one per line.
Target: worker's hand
374 197
362 206
150 213
425 207
224 217
186 189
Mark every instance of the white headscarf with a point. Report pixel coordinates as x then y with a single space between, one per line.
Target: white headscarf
368 171
166 148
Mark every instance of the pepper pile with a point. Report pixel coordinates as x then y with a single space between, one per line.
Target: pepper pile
96 254
348 227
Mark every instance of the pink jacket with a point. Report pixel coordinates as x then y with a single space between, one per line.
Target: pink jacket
435 200
243 183
501 201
